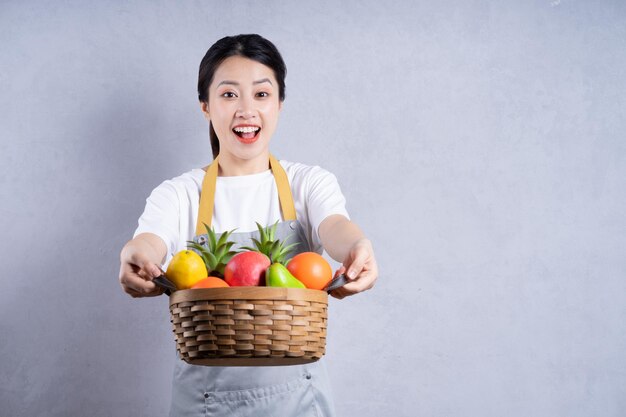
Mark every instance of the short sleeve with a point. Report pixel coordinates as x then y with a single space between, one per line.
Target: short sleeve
324 198
161 215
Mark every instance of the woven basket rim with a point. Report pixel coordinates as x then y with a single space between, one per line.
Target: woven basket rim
251 361
248 293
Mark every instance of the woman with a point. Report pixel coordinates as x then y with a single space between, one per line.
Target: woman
241 88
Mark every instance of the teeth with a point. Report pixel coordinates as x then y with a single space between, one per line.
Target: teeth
246 129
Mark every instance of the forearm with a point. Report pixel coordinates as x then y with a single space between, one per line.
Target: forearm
147 244
338 236
346 243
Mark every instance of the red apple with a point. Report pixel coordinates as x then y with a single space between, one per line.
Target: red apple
246 269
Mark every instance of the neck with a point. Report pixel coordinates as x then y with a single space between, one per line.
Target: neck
231 166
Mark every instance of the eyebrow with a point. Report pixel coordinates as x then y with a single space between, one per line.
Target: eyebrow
264 80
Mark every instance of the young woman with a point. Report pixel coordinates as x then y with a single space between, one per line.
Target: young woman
241 88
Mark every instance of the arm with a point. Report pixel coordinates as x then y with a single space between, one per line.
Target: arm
139 260
345 242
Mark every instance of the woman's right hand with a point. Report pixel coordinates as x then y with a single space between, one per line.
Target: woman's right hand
138 267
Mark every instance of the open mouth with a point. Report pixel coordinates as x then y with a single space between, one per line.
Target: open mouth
247 134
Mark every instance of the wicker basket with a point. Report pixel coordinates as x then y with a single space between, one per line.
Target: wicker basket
249 326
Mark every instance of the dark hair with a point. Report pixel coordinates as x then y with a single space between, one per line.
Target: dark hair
252 46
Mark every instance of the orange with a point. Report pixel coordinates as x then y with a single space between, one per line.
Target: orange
211 282
311 269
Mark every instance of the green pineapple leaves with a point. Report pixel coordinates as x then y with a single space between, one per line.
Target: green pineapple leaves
270 246
217 253
218 250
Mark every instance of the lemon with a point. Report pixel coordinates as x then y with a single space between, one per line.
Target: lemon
185 269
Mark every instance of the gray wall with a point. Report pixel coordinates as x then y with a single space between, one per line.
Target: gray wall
480 145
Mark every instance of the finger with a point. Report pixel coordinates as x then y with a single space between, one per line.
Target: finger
133 293
341 270
341 292
137 294
362 283
367 279
138 283
145 264
359 258
158 291
140 279
149 290
359 285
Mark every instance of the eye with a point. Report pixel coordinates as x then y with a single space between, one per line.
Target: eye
262 94
229 94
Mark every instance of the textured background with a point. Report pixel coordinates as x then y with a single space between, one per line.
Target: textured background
480 145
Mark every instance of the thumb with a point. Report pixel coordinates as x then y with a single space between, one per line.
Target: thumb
359 257
145 264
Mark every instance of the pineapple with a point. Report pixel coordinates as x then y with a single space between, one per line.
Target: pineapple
217 253
270 246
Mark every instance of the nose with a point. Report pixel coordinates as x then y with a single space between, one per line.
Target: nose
245 114
245 110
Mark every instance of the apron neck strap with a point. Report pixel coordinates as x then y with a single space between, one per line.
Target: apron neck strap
284 190
207 194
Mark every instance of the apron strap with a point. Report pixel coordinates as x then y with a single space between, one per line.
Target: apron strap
207 197
207 194
284 190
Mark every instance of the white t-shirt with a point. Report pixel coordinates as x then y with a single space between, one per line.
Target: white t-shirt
172 208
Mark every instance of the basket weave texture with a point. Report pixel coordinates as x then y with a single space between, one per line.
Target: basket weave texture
249 326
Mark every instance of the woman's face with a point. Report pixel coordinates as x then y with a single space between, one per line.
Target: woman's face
243 107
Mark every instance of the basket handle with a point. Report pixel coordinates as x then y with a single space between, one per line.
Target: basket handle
337 282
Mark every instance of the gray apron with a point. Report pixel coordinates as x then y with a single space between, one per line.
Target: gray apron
277 391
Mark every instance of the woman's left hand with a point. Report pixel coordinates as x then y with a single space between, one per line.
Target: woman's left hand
361 267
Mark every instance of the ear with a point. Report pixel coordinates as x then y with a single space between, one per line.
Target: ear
205 110
280 105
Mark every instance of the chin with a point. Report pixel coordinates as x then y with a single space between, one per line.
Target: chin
248 152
